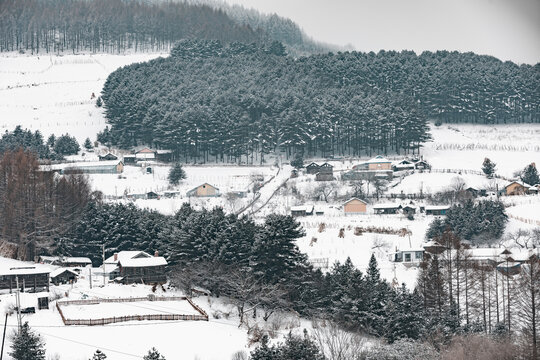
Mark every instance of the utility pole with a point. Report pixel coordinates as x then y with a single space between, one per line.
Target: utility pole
103 257
90 277
18 301
3 339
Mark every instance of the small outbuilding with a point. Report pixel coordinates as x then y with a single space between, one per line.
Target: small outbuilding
63 276
386 208
437 209
312 168
204 190
355 206
107 157
302 210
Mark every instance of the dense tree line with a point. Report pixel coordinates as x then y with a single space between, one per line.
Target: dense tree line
36 206
55 26
54 149
480 222
238 102
242 101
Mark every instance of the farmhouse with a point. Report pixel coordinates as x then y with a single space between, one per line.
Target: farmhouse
91 167
386 208
302 210
108 157
516 188
403 165
135 267
204 190
63 276
65 261
31 278
422 165
437 210
312 168
412 256
145 154
409 209
377 163
355 206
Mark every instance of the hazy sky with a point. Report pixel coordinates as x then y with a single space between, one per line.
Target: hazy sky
507 29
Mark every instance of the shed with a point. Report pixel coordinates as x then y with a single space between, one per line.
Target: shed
63 276
130 159
355 206
204 190
422 165
152 195
517 188
403 165
143 270
107 157
302 210
386 208
312 168
326 169
164 155
437 209
408 209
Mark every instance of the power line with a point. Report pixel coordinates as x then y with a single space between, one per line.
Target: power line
93 346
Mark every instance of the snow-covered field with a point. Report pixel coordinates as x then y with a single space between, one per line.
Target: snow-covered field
53 93
464 146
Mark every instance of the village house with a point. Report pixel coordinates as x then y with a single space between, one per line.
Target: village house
386 208
63 276
325 173
312 168
516 188
31 278
130 267
302 210
355 206
107 157
152 195
145 154
437 209
204 190
408 257
130 159
422 165
164 155
377 163
409 210
403 165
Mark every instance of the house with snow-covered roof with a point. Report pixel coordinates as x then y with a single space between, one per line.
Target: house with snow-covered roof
136 267
30 276
517 188
379 162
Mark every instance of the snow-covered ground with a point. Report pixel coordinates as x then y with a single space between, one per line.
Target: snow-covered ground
217 339
53 93
464 146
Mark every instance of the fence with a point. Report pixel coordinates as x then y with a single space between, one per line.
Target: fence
111 320
524 220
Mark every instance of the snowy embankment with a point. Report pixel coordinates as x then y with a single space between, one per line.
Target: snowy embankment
53 94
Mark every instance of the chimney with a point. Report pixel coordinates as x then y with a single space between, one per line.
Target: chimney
115 256
156 254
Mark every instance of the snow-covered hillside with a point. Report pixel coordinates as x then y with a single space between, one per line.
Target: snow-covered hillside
53 94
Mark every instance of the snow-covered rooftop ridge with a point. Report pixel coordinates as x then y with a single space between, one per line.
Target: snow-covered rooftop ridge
377 159
387 206
142 262
520 183
17 267
437 207
67 259
126 255
60 270
302 208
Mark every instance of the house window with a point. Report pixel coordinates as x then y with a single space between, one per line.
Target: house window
419 255
407 257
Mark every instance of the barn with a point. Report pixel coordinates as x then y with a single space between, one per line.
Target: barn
355 206
204 190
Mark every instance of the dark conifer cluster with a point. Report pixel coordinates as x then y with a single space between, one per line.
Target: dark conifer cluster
239 102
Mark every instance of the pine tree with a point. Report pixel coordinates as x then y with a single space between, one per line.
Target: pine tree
530 175
51 140
176 174
99 102
88 144
99 355
488 167
27 346
66 145
405 318
298 161
153 354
